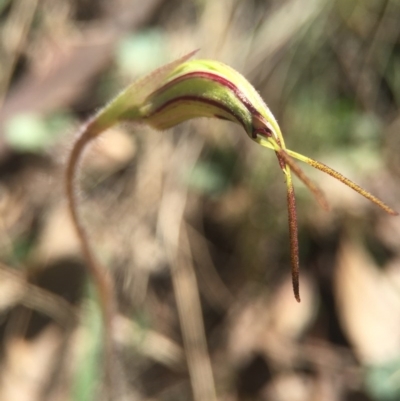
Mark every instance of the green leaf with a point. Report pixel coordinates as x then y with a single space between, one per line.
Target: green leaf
139 53
88 374
31 132
383 381
214 175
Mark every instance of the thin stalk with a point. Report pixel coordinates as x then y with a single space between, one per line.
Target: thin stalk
283 152
314 189
293 228
100 275
333 173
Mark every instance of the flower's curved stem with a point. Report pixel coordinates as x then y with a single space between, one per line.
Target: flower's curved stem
99 275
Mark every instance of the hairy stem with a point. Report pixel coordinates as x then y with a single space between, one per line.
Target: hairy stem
100 275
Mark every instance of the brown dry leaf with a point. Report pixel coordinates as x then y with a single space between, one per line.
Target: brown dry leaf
75 63
148 342
289 387
11 290
388 231
393 272
248 322
58 237
368 305
289 318
341 198
27 365
271 326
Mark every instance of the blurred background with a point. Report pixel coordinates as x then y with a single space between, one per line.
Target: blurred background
192 222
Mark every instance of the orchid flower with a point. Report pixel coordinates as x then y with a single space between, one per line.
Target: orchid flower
186 89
